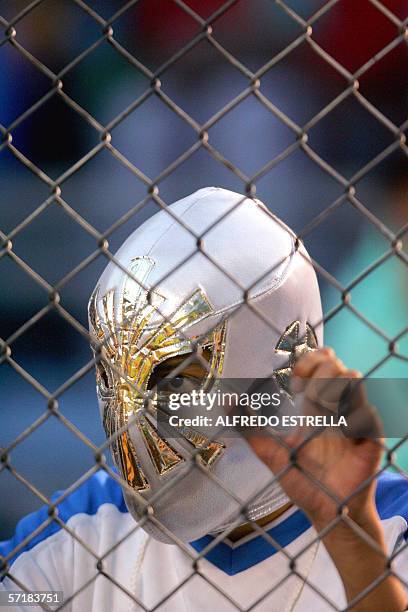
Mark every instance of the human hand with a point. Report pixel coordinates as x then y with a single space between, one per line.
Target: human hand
323 470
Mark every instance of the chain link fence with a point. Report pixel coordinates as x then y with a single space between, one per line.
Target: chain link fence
107 18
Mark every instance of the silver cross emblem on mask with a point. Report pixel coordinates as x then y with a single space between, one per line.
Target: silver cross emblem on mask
293 345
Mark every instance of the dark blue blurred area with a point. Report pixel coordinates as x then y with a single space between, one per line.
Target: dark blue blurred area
202 81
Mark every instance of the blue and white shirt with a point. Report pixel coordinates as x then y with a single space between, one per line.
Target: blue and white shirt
102 558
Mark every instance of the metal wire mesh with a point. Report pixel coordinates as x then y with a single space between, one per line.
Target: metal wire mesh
206 32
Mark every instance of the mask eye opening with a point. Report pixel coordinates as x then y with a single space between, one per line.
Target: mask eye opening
186 364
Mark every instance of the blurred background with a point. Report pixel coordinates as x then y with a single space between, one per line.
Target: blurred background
201 82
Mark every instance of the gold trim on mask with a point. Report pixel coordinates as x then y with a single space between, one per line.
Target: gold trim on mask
136 338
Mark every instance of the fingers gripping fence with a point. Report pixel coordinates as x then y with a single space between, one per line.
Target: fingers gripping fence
206 33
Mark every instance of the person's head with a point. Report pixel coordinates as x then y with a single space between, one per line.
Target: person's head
213 287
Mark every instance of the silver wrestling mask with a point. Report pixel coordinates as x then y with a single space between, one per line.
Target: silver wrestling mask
247 302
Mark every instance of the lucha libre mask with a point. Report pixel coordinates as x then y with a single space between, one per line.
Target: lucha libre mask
215 274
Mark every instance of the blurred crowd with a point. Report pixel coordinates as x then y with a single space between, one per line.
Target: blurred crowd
201 82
